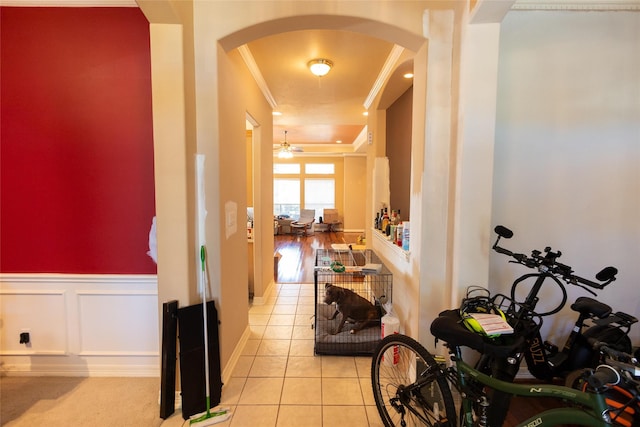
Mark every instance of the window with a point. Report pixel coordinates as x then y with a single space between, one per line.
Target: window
319 194
286 197
286 168
303 186
319 168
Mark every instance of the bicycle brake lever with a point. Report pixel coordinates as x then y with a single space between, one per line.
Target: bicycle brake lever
585 288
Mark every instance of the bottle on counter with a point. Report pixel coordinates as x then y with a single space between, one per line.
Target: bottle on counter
406 232
399 234
385 222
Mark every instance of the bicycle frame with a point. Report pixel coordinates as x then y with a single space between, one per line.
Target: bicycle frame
535 352
594 412
542 362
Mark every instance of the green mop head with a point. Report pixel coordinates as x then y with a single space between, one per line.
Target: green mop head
210 417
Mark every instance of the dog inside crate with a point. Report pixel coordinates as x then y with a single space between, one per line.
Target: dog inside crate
341 328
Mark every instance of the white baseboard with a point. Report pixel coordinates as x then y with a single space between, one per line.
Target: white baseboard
235 356
353 230
43 369
267 294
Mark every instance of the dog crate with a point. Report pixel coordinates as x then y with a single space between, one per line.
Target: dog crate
362 272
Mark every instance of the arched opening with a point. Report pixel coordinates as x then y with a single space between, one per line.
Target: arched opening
255 42
215 103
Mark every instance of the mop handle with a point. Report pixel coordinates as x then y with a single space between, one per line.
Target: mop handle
203 257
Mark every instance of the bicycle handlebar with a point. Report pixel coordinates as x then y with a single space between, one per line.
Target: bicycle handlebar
617 359
604 377
548 263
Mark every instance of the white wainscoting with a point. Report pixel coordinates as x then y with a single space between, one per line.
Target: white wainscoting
80 325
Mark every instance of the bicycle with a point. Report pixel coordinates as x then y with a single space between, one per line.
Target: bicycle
544 360
413 387
623 398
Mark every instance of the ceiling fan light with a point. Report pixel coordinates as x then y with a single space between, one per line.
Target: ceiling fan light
320 67
285 154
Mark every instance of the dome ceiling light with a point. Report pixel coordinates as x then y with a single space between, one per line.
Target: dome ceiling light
320 67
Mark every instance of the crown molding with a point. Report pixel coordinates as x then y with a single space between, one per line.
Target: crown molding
250 62
578 5
387 68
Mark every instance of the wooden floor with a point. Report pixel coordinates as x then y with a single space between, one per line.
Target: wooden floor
297 264
298 253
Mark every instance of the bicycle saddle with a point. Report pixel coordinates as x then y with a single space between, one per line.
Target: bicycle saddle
588 306
449 328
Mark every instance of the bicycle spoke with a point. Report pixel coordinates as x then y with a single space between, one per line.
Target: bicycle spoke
408 386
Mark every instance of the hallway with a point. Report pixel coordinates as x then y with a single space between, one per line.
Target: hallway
279 382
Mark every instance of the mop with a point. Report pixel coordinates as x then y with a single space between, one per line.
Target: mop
222 414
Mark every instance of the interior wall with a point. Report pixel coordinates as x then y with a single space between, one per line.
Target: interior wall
234 295
398 150
567 150
355 184
77 172
77 193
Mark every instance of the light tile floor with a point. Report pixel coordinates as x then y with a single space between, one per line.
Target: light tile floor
278 380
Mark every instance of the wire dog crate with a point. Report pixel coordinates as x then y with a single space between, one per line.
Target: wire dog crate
359 271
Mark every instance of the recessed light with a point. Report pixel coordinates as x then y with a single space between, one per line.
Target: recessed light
276 113
339 141
366 113
408 75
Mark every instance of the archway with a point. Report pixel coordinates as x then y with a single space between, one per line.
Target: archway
211 96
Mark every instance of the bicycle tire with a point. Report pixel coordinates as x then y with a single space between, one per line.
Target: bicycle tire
409 387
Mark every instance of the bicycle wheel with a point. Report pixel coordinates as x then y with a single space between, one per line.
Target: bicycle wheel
409 386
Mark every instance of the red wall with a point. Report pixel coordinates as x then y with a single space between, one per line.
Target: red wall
76 152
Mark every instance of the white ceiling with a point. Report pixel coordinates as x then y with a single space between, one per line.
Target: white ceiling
319 111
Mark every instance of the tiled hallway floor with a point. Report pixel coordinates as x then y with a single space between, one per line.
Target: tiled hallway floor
278 380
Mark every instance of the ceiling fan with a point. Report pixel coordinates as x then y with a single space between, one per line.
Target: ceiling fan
285 151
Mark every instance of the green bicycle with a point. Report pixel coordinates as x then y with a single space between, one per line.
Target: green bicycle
413 387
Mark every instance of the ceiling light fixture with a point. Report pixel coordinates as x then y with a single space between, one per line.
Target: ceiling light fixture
320 67
285 154
285 149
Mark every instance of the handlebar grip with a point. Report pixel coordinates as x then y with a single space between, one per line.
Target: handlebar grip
589 282
604 377
604 348
502 251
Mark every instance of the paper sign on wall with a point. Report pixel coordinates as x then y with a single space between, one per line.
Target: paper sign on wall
230 218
